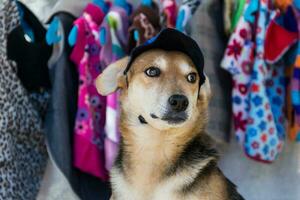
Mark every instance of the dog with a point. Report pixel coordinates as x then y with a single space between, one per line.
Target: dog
165 153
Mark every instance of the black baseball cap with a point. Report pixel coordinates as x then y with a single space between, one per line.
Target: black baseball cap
170 39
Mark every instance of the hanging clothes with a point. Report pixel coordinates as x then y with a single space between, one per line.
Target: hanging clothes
90 119
262 139
23 153
238 61
31 56
295 81
144 22
169 13
258 93
61 113
115 27
280 49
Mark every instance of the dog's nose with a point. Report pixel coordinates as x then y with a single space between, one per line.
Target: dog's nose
178 102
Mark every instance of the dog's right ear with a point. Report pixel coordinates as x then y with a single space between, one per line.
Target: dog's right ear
112 77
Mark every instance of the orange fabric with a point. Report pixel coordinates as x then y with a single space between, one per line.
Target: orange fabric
292 128
297 63
283 4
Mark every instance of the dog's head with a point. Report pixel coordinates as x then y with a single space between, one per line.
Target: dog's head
161 88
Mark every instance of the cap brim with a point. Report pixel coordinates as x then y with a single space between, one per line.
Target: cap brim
172 40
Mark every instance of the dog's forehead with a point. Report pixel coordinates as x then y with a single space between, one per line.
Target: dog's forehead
166 60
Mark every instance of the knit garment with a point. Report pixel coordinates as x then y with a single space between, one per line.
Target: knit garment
90 120
115 27
145 21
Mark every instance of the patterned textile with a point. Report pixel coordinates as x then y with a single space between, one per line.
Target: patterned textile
238 60
258 93
295 82
115 27
278 48
262 141
23 153
90 120
169 13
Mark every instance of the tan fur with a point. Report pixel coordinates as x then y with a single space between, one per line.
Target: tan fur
149 149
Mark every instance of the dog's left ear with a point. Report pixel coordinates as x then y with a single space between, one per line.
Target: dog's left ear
112 77
205 90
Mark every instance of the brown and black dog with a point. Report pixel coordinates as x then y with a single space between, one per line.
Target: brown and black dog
165 153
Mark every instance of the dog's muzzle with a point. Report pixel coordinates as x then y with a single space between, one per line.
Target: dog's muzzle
176 114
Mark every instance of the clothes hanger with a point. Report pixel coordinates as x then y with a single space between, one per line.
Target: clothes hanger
52 35
29 34
179 21
146 3
186 11
253 7
297 4
74 31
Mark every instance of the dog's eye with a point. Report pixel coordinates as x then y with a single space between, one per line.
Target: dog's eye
192 77
152 72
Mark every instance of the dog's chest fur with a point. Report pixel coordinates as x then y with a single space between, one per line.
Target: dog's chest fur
147 177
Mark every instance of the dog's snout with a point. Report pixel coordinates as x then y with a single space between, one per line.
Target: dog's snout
178 102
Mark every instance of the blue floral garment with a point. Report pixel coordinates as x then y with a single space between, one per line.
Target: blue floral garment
262 141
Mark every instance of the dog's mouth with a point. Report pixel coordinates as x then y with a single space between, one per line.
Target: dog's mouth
172 117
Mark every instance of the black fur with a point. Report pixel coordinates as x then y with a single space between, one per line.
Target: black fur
120 158
196 150
205 172
232 191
